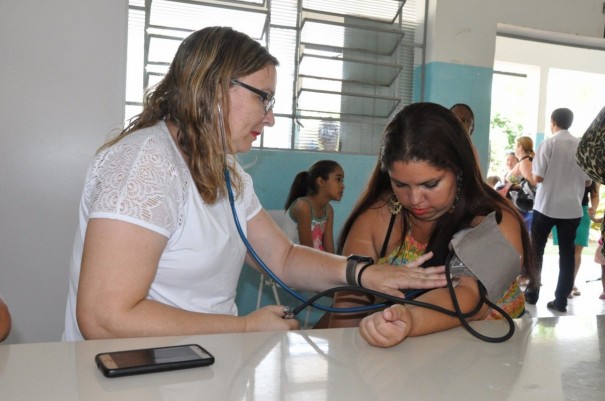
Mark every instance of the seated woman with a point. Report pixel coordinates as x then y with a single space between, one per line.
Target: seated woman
426 188
511 162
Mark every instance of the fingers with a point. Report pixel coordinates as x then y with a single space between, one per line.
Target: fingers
392 280
423 258
279 310
385 329
270 318
370 333
395 312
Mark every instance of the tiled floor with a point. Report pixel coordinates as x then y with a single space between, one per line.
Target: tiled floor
588 282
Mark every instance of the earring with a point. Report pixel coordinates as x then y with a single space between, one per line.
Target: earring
458 192
394 205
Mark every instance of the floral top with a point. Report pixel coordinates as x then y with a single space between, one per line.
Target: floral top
512 301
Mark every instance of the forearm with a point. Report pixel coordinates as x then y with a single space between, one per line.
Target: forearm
151 319
312 269
298 266
304 237
594 201
426 321
345 299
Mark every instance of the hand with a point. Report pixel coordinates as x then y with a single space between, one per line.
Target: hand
388 327
392 279
269 318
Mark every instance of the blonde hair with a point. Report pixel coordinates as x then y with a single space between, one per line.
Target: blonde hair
527 144
190 94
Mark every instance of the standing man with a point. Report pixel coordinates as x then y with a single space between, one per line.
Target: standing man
561 184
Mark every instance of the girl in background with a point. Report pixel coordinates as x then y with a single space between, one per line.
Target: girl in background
310 217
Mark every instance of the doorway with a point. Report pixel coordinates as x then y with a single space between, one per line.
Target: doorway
532 78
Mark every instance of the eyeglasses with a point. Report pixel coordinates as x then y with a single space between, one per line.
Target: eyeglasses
265 97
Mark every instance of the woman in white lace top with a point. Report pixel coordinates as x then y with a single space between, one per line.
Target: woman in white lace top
157 252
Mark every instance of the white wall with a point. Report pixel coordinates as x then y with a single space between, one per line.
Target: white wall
62 68
464 31
539 58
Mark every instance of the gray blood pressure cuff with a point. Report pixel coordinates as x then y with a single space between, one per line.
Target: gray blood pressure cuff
484 253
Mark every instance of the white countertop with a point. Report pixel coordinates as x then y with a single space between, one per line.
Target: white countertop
547 359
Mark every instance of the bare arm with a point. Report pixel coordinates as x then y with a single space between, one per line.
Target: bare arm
594 199
525 169
314 270
119 263
360 241
391 326
303 214
328 237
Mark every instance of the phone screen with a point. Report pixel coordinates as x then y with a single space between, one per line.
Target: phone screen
153 360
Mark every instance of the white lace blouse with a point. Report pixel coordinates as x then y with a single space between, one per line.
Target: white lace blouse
143 180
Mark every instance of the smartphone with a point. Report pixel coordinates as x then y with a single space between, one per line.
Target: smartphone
132 362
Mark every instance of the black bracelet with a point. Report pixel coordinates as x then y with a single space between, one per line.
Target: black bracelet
361 271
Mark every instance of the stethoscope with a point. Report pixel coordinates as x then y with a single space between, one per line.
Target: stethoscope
291 313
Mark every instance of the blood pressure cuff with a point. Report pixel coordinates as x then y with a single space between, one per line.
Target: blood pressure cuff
484 253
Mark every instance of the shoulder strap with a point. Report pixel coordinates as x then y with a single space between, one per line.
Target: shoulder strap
388 236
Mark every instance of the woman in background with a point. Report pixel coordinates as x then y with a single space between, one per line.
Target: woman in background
511 162
524 151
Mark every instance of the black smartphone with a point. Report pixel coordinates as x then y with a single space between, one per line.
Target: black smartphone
133 362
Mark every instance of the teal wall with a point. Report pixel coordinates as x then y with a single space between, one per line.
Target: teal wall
273 172
448 84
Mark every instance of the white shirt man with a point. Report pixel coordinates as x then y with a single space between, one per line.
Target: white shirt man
558 202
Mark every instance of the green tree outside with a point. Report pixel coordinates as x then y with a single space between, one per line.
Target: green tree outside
503 134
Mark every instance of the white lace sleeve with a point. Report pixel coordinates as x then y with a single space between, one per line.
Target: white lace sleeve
139 180
251 201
